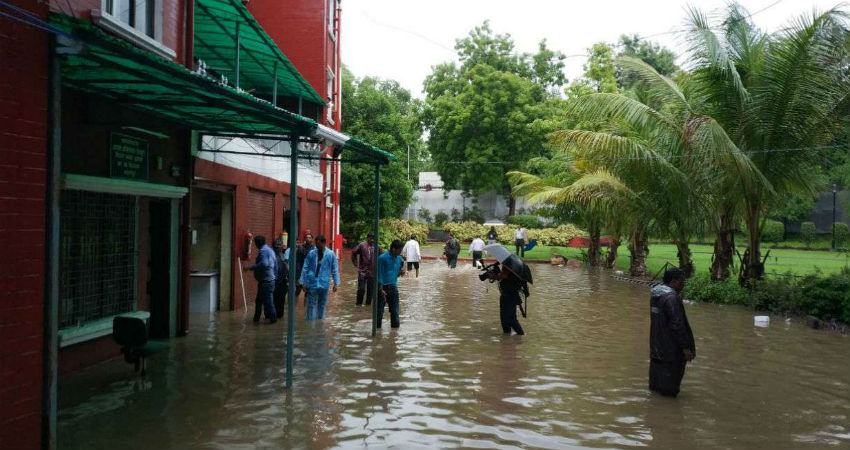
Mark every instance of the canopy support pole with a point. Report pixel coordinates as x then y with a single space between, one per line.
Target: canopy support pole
375 295
293 259
274 85
238 48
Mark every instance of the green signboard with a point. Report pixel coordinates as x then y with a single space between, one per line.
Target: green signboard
128 157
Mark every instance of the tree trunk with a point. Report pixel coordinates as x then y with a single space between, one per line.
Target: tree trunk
511 205
611 258
639 248
686 264
593 247
724 248
752 268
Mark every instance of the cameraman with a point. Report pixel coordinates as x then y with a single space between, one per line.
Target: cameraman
510 286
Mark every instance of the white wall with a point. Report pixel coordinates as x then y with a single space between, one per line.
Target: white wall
492 205
277 168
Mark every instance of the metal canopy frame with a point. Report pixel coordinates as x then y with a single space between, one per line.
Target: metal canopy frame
108 67
231 42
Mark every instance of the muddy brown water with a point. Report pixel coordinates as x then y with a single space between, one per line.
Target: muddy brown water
449 379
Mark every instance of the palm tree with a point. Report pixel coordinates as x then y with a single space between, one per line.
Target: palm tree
776 97
664 150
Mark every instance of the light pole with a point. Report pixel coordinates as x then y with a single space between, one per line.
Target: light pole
834 195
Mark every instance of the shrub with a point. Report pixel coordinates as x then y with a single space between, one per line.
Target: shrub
773 231
727 292
807 232
560 236
826 297
425 215
473 214
440 218
455 214
390 229
842 234
526 221
466 231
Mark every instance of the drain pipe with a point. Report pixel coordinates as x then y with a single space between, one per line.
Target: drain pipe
51 285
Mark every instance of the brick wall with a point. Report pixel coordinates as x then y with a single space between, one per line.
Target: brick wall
260 220
23 146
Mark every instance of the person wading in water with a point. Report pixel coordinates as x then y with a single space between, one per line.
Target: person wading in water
671 341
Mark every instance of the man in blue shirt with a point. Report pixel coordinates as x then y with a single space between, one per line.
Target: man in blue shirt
265 270
320 266
389 269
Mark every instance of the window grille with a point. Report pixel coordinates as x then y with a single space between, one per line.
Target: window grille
97 261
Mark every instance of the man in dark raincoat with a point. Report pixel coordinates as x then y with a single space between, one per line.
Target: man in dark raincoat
510 286
671 341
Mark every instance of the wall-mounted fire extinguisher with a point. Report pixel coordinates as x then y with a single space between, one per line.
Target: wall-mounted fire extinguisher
246 249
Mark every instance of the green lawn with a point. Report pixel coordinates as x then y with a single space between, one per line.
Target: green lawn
799 262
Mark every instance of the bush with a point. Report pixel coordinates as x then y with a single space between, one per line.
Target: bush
390 229
455 215
441 218
473 214
526 221
807 232
560 236
842 234
825 297
773 231
727 292
425 215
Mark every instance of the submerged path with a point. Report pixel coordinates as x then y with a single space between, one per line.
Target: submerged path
449 379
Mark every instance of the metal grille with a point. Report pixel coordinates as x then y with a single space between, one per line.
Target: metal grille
97 261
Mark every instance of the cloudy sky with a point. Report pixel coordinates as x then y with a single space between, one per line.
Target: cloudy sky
403 39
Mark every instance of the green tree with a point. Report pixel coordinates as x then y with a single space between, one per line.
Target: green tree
599 73
384 114
483 113
778 97
659 58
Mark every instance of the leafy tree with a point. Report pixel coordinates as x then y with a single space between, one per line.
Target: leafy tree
482 113
599 73
384 114
777 97
659 58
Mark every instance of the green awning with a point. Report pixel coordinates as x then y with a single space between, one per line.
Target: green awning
112 68
368 152
216 22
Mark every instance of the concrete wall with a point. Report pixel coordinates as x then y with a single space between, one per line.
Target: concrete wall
492 205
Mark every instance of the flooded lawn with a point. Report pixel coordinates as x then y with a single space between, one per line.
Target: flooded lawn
448 378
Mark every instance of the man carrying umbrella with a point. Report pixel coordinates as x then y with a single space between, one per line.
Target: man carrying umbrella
513 278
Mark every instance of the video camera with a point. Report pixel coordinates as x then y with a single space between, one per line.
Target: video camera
491 271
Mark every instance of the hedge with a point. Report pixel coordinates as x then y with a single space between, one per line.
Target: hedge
807 232
527 221
391 229
560 236
773 231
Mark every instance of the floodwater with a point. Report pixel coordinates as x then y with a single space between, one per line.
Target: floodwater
448 378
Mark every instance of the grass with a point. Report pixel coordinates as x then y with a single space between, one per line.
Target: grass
781 261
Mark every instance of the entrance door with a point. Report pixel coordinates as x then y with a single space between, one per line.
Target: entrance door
159 270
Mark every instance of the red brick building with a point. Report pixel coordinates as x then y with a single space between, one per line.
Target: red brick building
109 202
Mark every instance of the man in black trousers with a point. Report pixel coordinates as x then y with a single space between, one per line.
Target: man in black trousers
671 341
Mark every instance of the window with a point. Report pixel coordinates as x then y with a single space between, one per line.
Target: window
97 256
331 18
139 21
140 15
331 103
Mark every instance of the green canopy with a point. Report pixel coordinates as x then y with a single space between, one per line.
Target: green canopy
110 67
369 152
260 59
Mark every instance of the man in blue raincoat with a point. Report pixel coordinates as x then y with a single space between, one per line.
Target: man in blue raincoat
320 267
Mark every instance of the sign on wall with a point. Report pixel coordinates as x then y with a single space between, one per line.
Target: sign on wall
128 157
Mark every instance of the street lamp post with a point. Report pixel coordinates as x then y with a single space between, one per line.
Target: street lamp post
834 195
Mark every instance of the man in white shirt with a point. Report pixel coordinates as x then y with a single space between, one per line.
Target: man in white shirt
520 238
410 253
477 250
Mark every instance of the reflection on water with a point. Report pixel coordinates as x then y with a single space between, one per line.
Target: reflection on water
449 378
